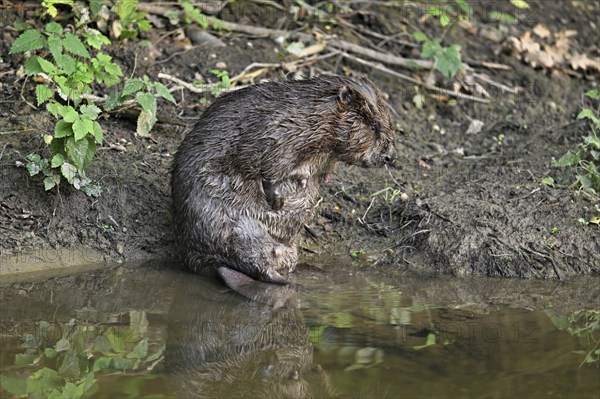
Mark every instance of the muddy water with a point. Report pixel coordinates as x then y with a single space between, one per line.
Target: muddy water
153 330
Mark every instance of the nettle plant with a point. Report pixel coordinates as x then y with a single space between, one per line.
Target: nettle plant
66 64
583 162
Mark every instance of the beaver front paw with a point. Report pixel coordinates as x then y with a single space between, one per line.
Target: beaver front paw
273 194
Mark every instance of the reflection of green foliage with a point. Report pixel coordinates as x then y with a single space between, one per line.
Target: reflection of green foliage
584 324
431 340
69 367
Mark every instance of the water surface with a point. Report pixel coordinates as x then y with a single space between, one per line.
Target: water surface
153 330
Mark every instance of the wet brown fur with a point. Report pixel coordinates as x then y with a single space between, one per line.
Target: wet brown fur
281 133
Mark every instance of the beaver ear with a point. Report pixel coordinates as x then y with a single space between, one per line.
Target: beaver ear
346 96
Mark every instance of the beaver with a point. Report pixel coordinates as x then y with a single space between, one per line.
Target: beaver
246 178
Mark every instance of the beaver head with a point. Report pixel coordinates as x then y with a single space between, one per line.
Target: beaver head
365 133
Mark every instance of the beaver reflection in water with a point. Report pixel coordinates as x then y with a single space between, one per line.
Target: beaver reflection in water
246 178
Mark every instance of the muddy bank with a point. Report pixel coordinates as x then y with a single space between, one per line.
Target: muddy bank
475 205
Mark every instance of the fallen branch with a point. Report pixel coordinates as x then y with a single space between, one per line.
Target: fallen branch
415 81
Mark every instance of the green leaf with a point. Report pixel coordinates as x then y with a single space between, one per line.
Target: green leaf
63 344
126 9
32 66
444 20
92 190
74 45
57 160
502 17
121 363
112 101
29 40
447 59
585 182
145 123
434 11
82 126
520 4
69 114
67 63
36 164
46 66
548 181
15 386
63 129
139 351
569 159
96 39
42 93
97 132
116 341
193 14
49 183
586 113
132 85
156 355
70 365
55 46
431 340
102 363
76 152
68 171
24 359
50 353
147 102
113 70
420 36
53 28
430 48
102 344
465 7
593 93
162 91
53 108
90 110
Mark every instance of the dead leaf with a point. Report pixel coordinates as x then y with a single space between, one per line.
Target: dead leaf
474 127
583 62
541 31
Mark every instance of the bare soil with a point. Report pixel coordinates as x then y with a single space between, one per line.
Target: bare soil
473 206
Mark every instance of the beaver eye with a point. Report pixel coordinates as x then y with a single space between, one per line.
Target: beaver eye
375 129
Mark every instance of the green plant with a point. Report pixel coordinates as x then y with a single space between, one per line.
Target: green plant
224 82
583 162
131 21
447 59
355 253
388 194
68 73
508 18
584 324
144 92
67 63
68 368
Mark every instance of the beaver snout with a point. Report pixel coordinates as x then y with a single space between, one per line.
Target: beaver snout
389 156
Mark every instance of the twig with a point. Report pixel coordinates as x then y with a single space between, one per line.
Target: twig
487 80
415 81
203 89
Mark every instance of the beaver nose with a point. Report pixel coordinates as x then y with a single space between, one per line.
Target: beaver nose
390 156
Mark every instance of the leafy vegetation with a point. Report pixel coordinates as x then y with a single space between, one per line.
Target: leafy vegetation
69 368
583 162
67 63
584 324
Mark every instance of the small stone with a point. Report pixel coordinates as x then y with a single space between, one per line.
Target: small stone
119 248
